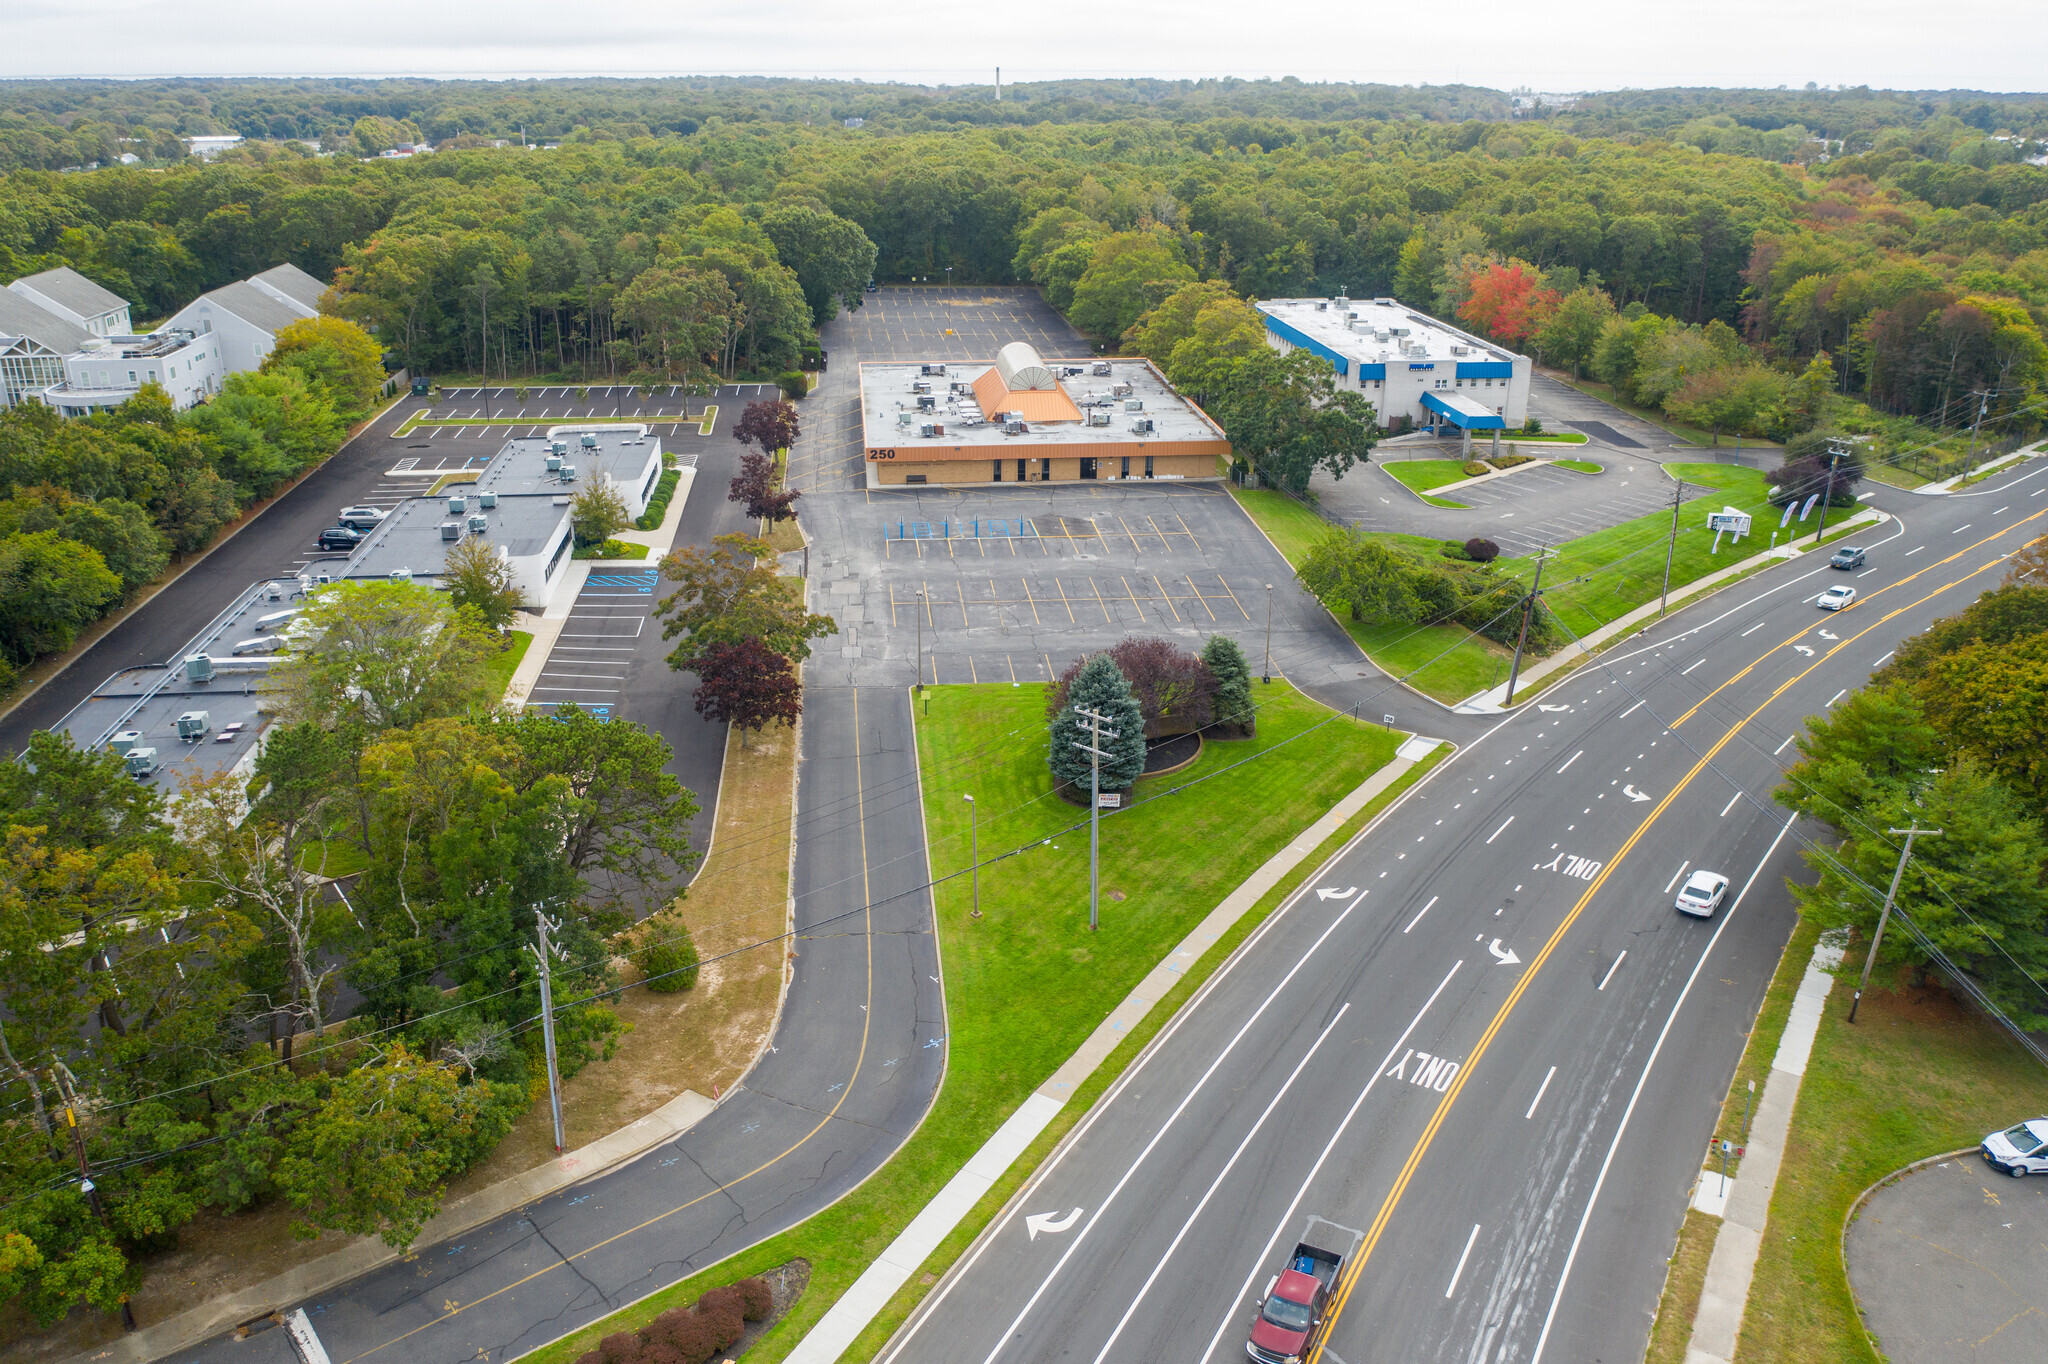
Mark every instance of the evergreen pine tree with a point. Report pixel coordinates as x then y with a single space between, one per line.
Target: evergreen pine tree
1101 688
1233 676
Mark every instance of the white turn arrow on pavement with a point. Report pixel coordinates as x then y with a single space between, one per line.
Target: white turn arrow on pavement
1552 708
1633 794
1504 955
1804 650
1325 893
1827 634
1049 1222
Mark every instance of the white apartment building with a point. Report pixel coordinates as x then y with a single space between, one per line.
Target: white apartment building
65 293
1406 363
248 314
107 370
33 344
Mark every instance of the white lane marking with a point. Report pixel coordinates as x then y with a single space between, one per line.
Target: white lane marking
1960 529
1539 1094
1754 628
1866 572
1095 1220
1574 758
1911 552
1216 1184
1731 804
1504 955
1691 667
1882 661
1419 913
1781 747
1593 1200
1461 1262
1633 794
1836 697
1258 1261
2001 511
1050 1222
1612 969
1630 711
1675 875
1502 829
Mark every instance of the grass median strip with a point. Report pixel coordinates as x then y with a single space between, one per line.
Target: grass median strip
1171 859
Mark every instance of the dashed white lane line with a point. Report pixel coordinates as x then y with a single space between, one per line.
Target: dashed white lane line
1781 747
1882 661
1731 804
1675 875
1687 670
1502 829
1461 1260
1419 913
1572 759
1630 711
1960 529
1612 969
1753 629
1539 1094
1911 552
1836 697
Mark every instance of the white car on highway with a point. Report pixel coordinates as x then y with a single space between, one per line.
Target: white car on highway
1702 893
1836 597
2018 1151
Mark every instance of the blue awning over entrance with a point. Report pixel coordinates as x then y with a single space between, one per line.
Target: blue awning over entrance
1462 411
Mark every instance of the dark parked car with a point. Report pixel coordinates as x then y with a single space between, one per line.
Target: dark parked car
340 537
1847 557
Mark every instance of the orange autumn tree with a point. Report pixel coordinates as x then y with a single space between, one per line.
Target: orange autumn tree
1509 302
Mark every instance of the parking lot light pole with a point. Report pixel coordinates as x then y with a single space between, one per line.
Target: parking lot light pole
1267 675
974 845
1911 832
919 612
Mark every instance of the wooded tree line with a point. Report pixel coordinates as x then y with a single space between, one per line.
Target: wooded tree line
1949 735
228 1030
92 509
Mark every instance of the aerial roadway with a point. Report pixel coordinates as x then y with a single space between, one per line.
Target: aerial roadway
1484 1039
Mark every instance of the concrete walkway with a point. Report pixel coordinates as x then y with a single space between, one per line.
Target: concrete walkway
1747 1198
1492 702
1949 485
870 1293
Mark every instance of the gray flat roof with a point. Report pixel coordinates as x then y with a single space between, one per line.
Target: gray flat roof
521 466
410 537
66 286
885 394
1328 321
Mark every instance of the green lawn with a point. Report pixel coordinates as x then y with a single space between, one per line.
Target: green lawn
1173 855
500 666
1583 466
1916 1076
1420 475
612 549
1295 529
1550 437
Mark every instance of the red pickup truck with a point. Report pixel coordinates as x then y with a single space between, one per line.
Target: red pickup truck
1291 1312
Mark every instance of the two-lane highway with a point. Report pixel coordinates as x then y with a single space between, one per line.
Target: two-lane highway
1493 1048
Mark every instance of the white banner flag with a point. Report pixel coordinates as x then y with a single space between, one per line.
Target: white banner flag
1807 510
1788 515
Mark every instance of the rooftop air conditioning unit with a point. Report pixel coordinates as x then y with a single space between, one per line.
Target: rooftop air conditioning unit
928 429
559 447
199 668
903 419
932 369
401 575
1461 350
193 724
920 386
1134 404
487 500
568 473
125 740
1321 306
457 505
926 403
1399 331
451 530
1100 368
1013 428
1120 390
273 591
938 428
479 524
141 762
554 463
589 440
1142 426
1098 419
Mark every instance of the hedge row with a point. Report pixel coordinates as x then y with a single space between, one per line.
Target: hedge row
657 505
689 1335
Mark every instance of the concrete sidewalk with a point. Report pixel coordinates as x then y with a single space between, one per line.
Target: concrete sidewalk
1949 485
872 1292
1718 1322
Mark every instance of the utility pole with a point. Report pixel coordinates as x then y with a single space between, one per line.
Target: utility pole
483 307
974 835
1664 603
1528 609
920 641
1835 453
1096 734
1911 832
544 952
1983 397
1267 675
62 1075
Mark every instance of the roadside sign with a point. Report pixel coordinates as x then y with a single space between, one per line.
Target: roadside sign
1109 800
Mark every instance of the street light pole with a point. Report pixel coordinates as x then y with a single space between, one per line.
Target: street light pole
1267 675
919 611
1828 495
974 835
1096 735
1911 832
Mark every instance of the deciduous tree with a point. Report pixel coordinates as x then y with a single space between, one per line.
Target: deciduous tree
734 593
480 581
385 656
747 684
771 424
756 487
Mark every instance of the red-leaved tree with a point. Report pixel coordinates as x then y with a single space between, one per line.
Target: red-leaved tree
1508 303
755 486
772 425
747 684
1174 689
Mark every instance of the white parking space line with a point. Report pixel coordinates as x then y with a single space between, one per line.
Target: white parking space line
1539 1094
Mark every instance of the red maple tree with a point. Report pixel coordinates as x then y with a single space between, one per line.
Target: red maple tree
747 684
1508 303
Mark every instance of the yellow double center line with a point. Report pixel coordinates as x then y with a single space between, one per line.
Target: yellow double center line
1356 1268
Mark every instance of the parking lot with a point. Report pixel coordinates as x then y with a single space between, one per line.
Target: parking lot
606 633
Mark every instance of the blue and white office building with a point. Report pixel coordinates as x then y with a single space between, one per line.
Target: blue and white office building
1405 363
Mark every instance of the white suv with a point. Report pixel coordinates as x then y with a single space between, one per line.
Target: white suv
359 518
1702 894
2018 1151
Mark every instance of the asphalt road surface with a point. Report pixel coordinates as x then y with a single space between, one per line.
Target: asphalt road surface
1485 1041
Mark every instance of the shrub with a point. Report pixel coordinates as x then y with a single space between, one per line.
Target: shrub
1509 460
1453 549
671 959
757 1298
1475 467
1532 427
793 383
657 505
1481 550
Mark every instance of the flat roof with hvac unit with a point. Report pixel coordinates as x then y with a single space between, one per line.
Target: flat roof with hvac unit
1024 418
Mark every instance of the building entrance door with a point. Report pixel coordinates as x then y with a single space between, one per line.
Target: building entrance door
1087 467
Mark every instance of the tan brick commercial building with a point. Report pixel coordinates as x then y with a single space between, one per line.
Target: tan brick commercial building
1022 419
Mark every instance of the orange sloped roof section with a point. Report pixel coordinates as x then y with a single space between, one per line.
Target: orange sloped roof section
1037 404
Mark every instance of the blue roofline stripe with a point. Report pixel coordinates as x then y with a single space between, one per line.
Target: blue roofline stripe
1306 342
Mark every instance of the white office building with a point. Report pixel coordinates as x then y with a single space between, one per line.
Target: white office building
248 314
66 294
107 370
33 344
1406 363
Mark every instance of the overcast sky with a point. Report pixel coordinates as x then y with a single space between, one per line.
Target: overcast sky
1553 45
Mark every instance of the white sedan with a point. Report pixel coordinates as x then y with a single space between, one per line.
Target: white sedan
1837 597
1702 893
